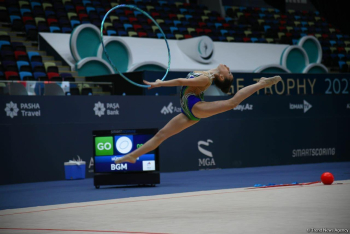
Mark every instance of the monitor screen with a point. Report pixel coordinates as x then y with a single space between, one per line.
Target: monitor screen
112 144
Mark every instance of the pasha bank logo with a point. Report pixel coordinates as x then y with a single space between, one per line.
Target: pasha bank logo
110 109
209 160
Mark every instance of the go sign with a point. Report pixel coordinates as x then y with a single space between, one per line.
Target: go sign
104 146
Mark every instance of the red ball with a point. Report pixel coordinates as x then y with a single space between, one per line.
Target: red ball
327 178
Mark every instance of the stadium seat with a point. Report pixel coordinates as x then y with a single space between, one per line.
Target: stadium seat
50 67
8 74
38 67
25 74
39 74
52 74
23 66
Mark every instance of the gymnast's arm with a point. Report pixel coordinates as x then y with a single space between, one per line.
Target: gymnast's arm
198 81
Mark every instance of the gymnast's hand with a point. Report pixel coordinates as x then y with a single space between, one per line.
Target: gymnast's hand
153 84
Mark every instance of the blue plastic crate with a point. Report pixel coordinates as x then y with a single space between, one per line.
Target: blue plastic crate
74 171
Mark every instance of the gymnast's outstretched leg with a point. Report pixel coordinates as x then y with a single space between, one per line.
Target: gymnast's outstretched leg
174 126
207 109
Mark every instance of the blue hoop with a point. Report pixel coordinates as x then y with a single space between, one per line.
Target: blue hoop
110 61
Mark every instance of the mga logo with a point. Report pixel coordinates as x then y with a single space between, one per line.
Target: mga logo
170 109
305 106
205 161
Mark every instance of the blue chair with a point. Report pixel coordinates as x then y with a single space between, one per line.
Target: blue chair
217 25
35 4
8 63
162 2
182 30
43 28
31 54
341 56
221 38
159 35
170 36
136 13
111 32
339 36
39 74
176 22
66 30
172 29
295 41
100 10
231 32
223 32
48 13
4 43
21 63
182 10
24 74
35 64
29 27
185 23
24 10
212 19
266 27
88 9
74 23
254 39
54 28
13 10
126 26
228 19
14 17
69 7
262 16
86 2
332 42
168 22
122 33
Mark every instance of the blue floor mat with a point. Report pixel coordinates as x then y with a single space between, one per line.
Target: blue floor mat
61 192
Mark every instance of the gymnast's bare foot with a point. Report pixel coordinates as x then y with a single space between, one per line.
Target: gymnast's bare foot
126 158
270 81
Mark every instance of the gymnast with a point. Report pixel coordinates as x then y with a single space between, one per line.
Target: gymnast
193 106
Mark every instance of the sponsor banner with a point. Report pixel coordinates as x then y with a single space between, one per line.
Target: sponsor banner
291 84
262 130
